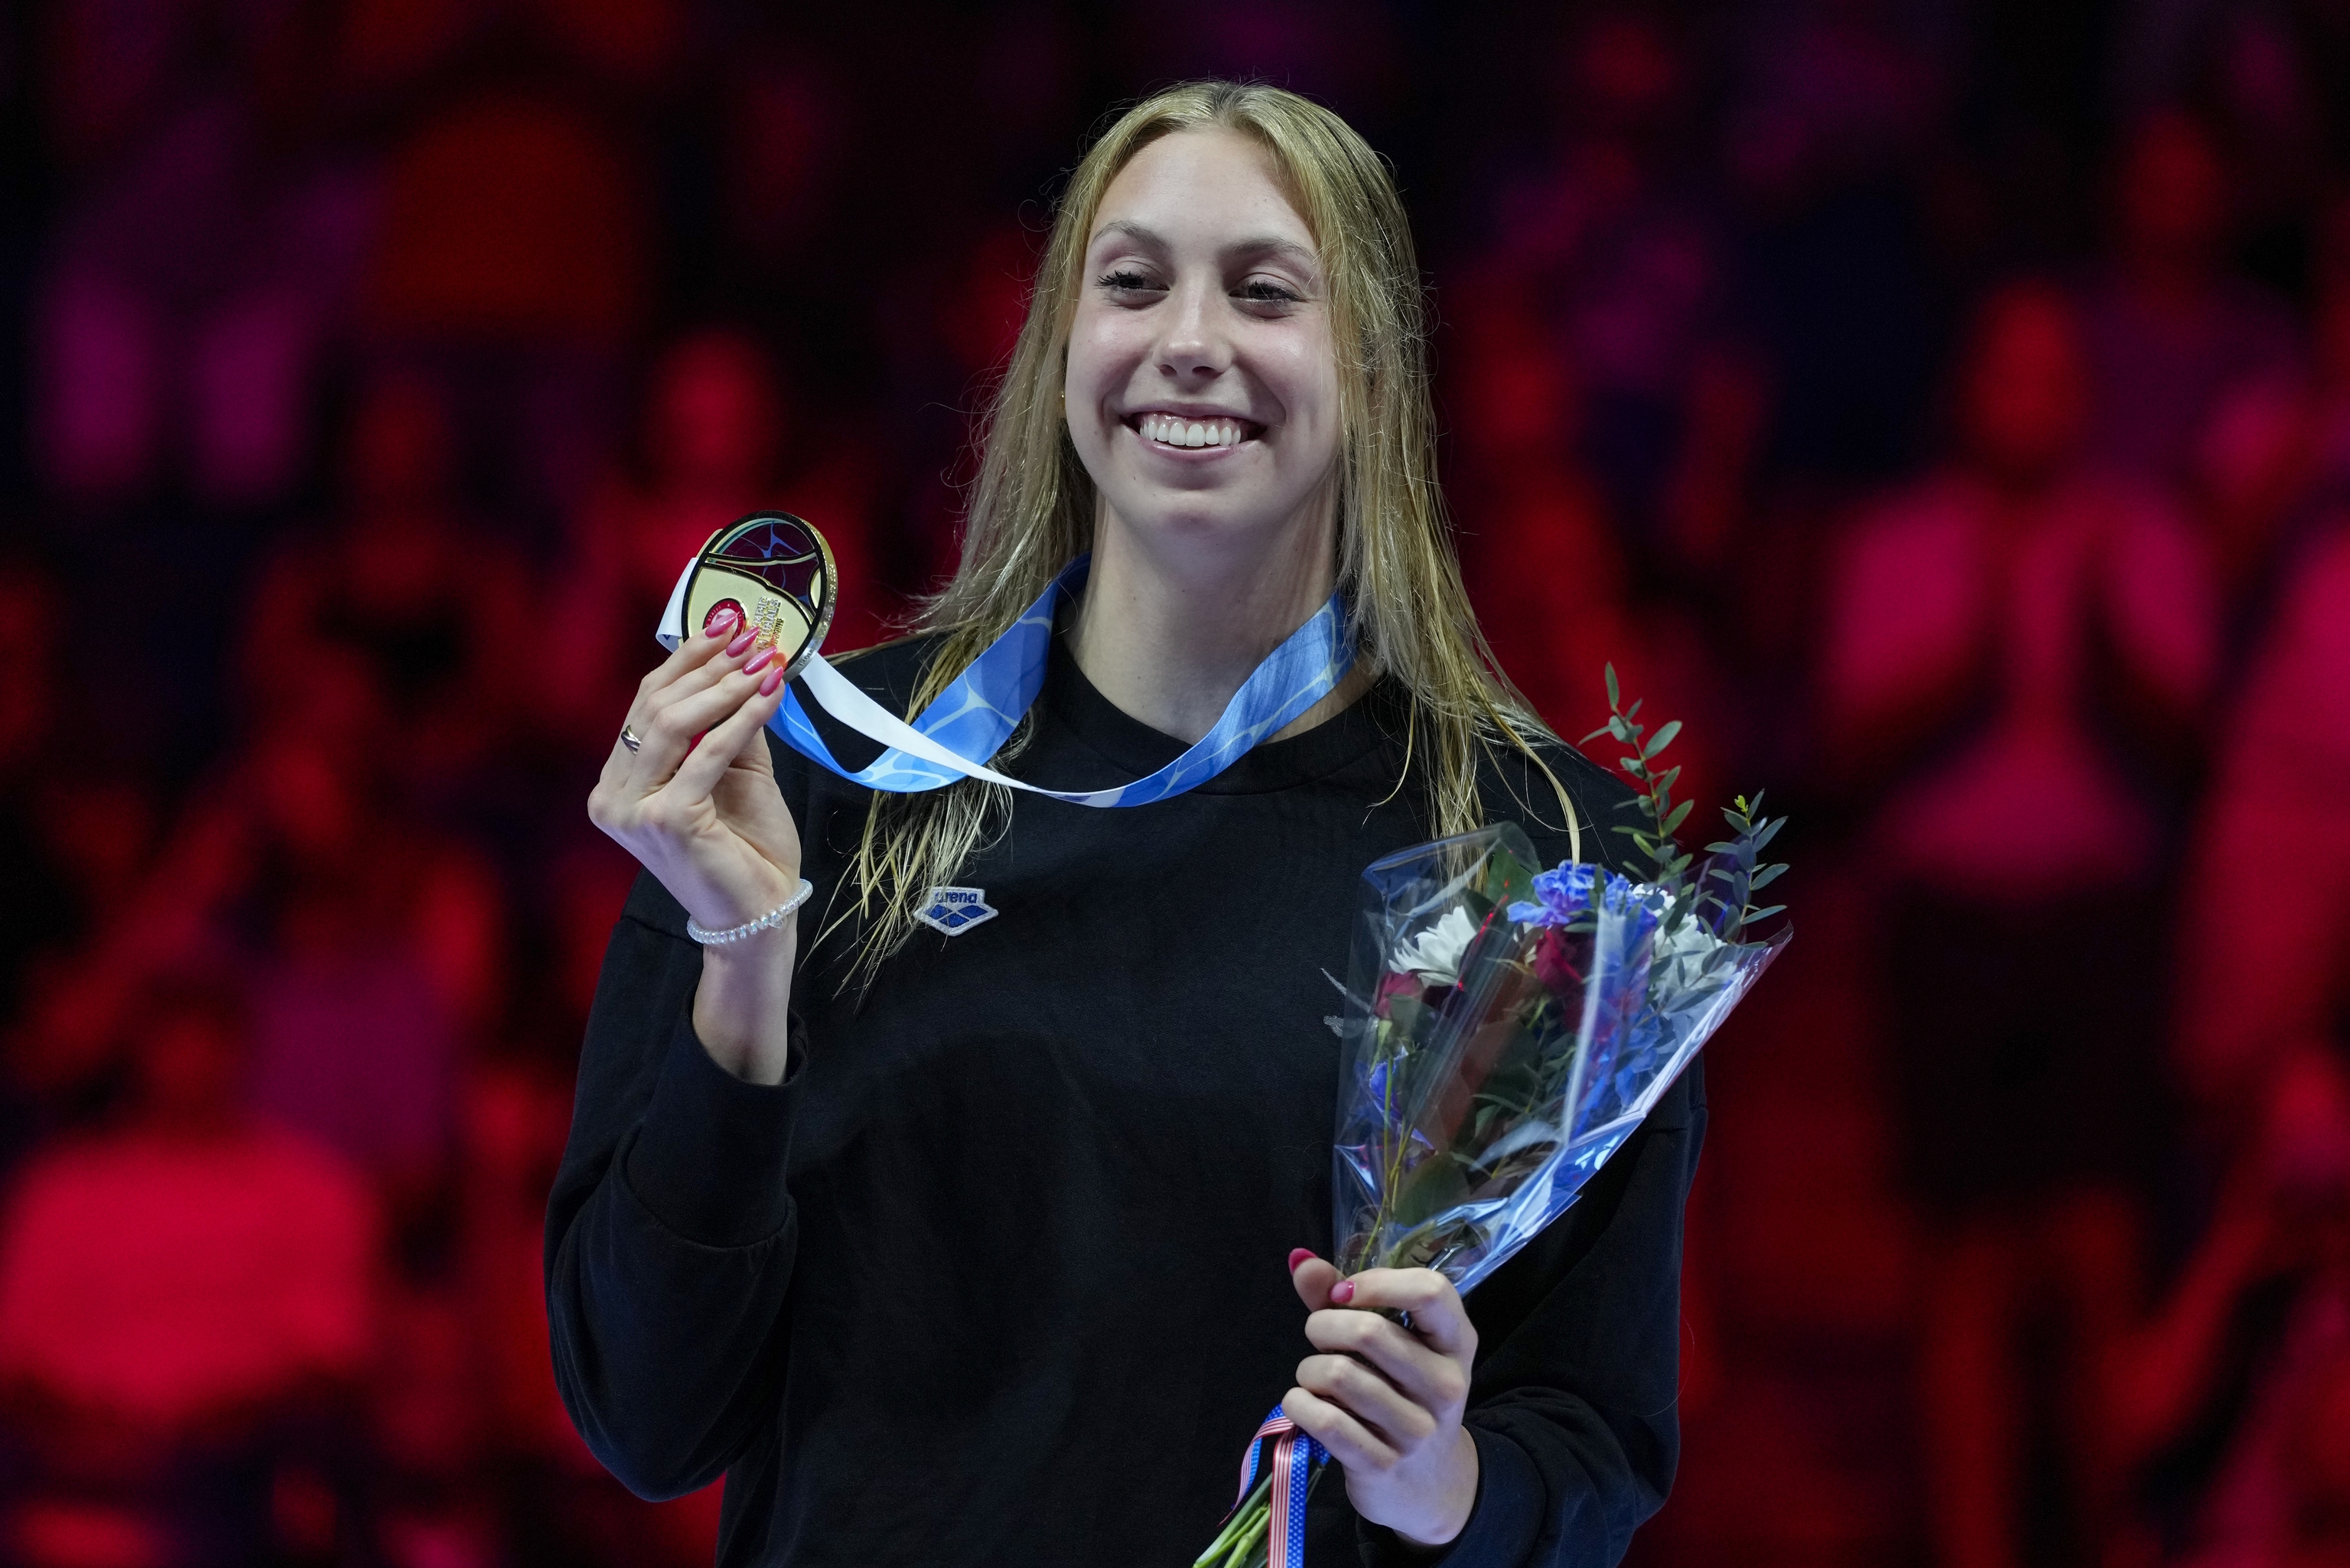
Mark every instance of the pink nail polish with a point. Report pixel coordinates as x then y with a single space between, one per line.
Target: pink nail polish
721 621
775 678
764 658
1342 1293
742 642
1299 1256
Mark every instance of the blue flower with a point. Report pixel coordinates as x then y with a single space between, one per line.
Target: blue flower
1565 894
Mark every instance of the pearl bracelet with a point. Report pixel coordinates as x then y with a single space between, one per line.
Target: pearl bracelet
774 917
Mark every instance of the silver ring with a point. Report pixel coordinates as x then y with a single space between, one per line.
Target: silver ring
629 739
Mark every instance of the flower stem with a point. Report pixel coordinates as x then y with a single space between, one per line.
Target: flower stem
1257 1506
1245 1549
1243 1543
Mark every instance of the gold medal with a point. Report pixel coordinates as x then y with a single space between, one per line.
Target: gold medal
775 572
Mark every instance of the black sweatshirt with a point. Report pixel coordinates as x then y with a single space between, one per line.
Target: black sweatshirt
999 1273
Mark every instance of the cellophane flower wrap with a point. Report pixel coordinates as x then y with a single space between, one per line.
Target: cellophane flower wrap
1504 1031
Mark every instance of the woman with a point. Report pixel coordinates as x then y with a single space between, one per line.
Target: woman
1995 633
965 1249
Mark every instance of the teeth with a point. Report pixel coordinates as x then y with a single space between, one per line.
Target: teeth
1171 430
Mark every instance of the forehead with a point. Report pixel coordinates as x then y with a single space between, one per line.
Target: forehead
1211 184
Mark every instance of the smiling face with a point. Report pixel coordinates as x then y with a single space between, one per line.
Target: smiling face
1203 388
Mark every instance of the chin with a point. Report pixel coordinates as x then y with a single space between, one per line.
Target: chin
1205 519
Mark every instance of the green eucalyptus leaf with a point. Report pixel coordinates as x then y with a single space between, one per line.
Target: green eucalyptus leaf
1615 695
1663 738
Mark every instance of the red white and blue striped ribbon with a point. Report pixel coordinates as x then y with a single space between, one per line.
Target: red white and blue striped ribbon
1294 1457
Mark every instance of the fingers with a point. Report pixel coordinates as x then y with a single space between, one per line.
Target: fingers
632 774
1350 1442
693 650
679 717
700 662
690 650
1385 1400
1395 1381
698 774
1398 1357
1312 1278
1394 1417
1437 1314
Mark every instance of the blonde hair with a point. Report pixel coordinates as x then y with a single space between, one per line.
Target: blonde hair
1033 506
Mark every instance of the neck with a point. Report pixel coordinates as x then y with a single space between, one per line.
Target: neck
1168 634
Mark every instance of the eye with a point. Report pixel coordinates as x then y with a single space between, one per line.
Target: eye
1129 280
1266 291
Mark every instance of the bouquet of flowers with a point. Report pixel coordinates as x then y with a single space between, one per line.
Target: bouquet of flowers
1506 1030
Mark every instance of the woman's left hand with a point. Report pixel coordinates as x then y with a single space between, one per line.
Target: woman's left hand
1387 1400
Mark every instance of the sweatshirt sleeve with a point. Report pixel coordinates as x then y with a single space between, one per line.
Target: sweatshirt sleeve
670 1234
1573 1400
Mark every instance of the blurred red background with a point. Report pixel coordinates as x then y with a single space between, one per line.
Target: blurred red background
1944 407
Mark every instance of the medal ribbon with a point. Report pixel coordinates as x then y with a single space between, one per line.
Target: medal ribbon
1294 1458
977 712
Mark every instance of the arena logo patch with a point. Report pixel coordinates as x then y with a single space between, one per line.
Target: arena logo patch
955 911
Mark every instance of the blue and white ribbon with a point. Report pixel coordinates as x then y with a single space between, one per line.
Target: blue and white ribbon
970 720
1293 1458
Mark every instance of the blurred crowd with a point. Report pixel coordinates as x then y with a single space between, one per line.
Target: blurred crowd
1943 408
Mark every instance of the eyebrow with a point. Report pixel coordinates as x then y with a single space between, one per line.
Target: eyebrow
1255 246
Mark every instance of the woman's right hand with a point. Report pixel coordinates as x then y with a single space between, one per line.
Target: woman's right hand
696 802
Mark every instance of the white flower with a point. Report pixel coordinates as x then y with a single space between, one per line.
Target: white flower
1682 949
1435 953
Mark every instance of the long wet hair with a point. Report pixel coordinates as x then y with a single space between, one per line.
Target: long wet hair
1032 508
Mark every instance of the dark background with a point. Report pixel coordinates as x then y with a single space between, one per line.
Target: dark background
1944 408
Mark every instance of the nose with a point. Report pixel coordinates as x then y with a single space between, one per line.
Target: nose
1194 347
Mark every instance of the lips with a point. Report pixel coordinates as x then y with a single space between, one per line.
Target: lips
1192 431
